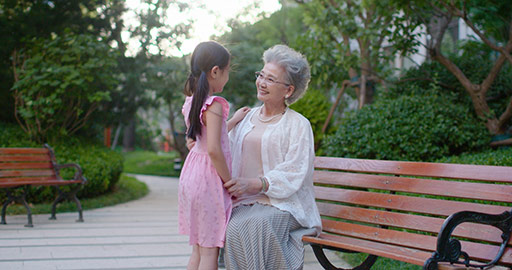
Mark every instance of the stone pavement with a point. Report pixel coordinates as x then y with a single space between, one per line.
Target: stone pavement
141 234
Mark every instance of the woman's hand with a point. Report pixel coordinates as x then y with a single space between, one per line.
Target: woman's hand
240 186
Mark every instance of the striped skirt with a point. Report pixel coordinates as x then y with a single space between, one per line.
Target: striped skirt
263 237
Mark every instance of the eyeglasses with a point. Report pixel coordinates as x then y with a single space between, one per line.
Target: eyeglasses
268 80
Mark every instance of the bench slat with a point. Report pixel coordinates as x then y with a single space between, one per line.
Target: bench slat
25 179
408 255
427 169
27 173
6 151
15 158
404 203
13 166
476 251
50 182
490 192
406 221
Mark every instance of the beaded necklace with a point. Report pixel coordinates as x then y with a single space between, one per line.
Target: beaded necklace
270 118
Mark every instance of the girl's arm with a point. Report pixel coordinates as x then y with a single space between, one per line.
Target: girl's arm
213 122
237 117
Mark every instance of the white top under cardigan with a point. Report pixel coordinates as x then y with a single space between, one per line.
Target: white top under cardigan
287 153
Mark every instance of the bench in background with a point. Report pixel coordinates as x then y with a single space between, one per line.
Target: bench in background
24 167
441 216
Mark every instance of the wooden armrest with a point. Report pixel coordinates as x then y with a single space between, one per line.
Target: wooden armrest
78 174
449 249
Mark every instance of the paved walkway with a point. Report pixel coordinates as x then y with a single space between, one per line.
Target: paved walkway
141 234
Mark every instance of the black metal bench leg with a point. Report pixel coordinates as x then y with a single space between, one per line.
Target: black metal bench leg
29 212
326 264
4 207
79 207
59 198
71 195
21 199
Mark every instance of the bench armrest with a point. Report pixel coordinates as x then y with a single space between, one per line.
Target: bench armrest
78 173
449 249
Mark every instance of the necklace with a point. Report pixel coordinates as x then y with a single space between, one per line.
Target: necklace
270 118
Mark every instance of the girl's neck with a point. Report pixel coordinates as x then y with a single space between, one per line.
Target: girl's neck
270 110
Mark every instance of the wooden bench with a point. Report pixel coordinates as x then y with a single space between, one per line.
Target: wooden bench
432 214
24 167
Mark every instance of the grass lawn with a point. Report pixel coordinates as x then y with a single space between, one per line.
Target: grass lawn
381 263
127 189
150 163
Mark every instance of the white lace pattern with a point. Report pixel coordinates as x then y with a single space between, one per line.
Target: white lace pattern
287 151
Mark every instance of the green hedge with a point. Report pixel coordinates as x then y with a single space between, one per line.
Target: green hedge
497 157
101 166
315 107
415 128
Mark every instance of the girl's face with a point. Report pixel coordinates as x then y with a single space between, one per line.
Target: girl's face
272 84
219 78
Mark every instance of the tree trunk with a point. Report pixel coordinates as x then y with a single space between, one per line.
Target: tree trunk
129 136
178 142
477 92
365 95
116 136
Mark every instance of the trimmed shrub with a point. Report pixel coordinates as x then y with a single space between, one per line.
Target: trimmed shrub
497 157
315 107
101 166
415 128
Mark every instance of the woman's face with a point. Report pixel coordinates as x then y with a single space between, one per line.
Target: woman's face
272 84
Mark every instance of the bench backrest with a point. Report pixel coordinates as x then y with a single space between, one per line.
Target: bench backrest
24 165
405 203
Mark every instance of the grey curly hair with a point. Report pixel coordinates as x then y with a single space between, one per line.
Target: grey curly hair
295 65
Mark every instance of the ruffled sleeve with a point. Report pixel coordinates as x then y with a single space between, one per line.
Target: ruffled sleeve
209 101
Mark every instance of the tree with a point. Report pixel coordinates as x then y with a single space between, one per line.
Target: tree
492 23
247 42
23 20
155 37
167 77
59 82
353 39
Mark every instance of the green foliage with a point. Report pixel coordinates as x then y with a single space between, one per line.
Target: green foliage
127 189
61 82
315 107
150 163
381 263
474 61
248 42
497 157
26 19
415 128
337 41
101 166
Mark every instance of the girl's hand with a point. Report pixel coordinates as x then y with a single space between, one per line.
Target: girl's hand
239 186
237 117
240 114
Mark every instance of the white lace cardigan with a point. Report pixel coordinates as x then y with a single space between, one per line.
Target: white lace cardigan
287 153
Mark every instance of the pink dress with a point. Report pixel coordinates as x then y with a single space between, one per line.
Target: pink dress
204 204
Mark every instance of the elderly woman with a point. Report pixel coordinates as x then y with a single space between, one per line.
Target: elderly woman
273 153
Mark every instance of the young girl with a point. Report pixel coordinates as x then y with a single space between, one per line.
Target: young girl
204 204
